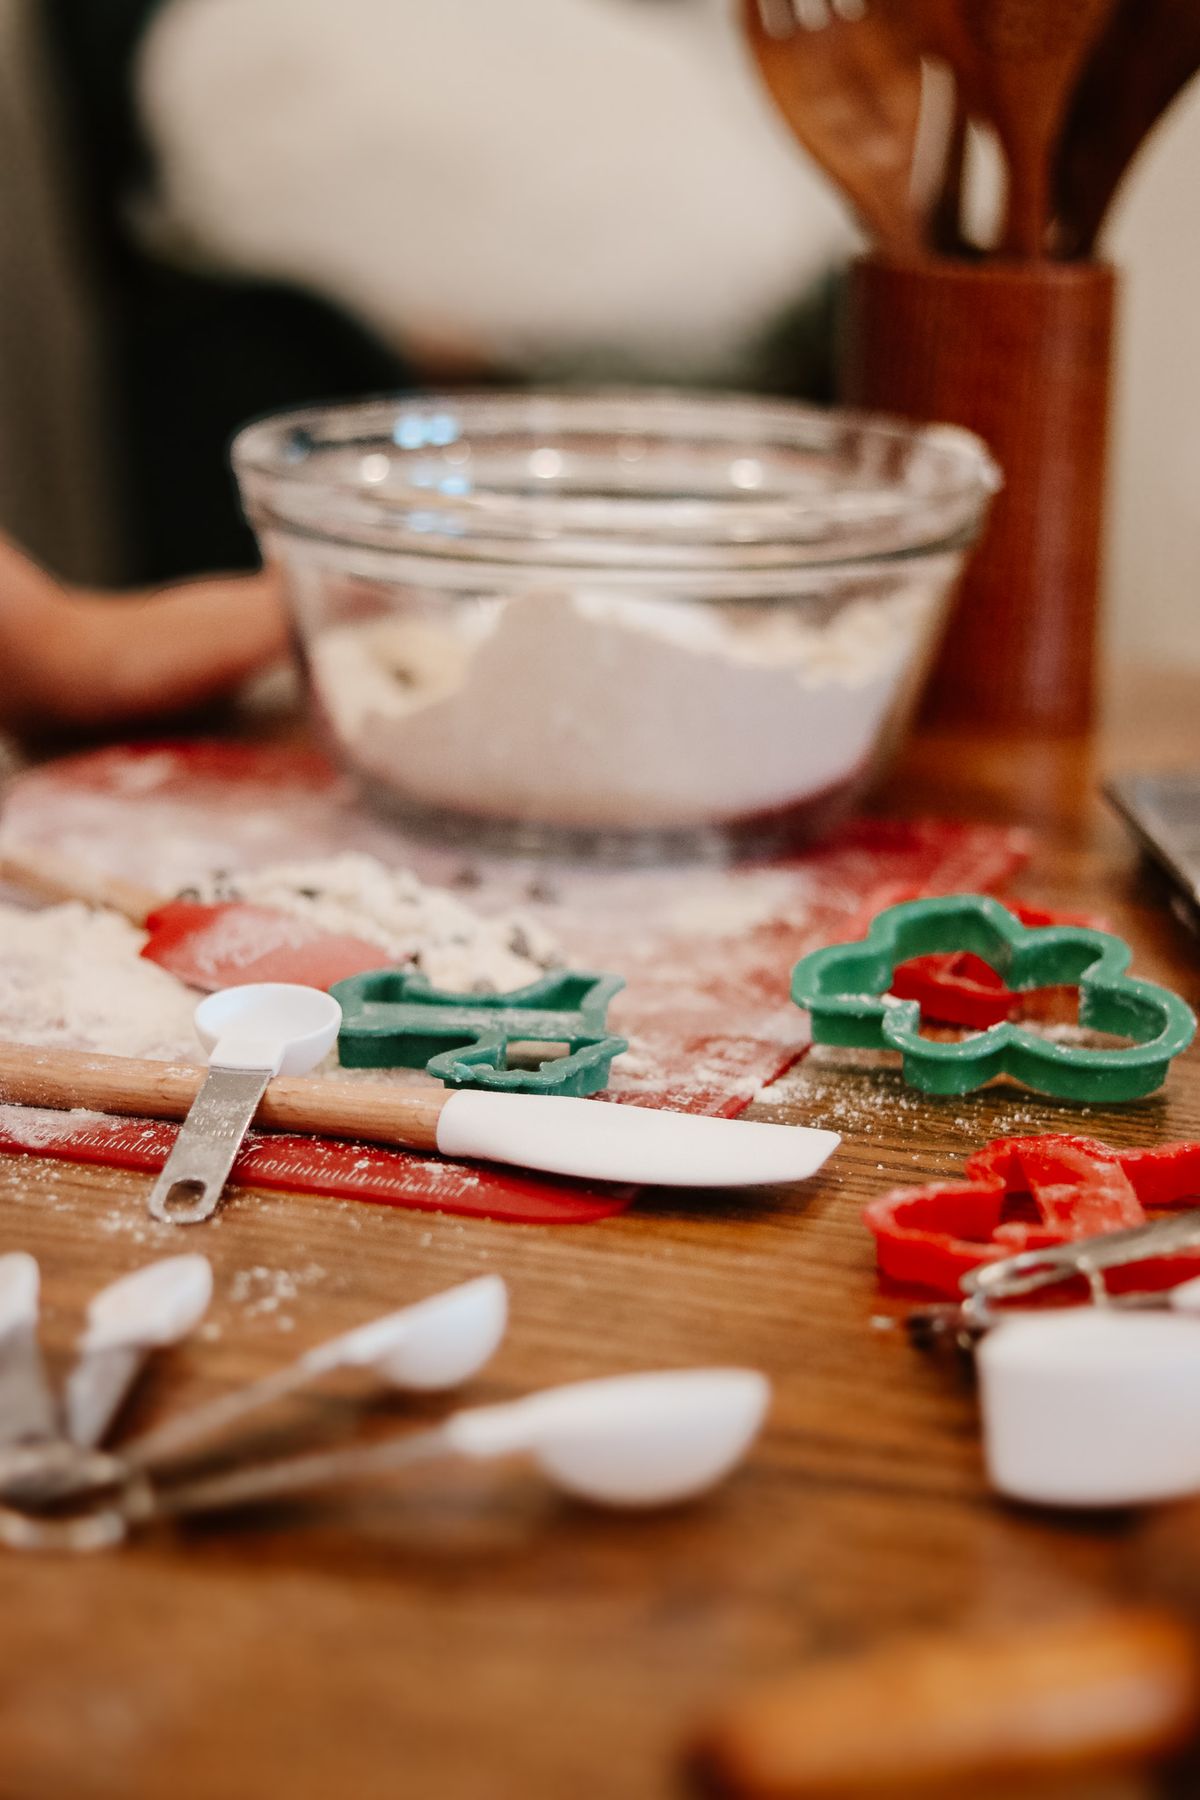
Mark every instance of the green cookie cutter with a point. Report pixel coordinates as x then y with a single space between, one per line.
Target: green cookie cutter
845 988
392 1018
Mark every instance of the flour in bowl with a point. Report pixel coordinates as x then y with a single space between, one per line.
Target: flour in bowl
594 710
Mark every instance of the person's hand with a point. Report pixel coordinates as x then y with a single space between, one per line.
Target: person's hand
69 657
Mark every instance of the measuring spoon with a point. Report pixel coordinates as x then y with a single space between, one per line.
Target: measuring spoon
641 1440
1092 1407
438 1343
143 1311
1015 63
252 1034
27 1409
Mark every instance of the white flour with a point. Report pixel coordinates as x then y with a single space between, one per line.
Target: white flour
36 1126
72 978
593 710
421 927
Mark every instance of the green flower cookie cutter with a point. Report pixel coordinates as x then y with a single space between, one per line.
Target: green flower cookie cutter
394 1019
844 988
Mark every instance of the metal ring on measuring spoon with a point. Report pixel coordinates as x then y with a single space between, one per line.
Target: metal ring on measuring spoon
102 1530
48 1469
60 1469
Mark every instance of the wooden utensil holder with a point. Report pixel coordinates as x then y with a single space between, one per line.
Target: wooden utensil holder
1021 354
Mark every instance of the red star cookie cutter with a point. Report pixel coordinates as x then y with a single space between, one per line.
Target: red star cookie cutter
931 1236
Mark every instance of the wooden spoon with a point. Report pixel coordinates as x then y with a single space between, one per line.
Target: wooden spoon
1016 63
850 90
946 212
1146 57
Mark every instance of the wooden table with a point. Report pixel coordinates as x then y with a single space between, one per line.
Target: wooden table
471 1636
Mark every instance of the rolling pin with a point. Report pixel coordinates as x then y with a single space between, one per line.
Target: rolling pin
205 944
44 876
388 1113
963 1716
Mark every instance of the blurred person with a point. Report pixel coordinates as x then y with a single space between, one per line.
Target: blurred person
74 658
303 199
292 200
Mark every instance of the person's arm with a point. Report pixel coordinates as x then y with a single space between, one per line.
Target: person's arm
73 658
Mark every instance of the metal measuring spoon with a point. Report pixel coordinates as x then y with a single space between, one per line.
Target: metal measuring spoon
629 1441
252 1034
436 1343
143 1311
27 1409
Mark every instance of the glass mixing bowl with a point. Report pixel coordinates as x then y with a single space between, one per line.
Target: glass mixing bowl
626 624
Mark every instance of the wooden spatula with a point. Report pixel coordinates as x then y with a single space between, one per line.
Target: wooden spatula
850 90
208 947
1147 56
1016 63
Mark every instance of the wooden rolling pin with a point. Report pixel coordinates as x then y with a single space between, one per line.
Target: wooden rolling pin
45 876
958 1716
207 945
385 1113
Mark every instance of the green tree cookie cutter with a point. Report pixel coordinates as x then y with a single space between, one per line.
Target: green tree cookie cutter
845 988
392 1018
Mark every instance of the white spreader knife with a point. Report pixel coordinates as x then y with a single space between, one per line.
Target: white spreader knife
591 1140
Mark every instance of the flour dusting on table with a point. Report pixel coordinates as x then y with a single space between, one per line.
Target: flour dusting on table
706 951
72 978
37 1127
415 925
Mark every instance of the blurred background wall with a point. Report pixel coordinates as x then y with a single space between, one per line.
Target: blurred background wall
1154 561
57 426
54 493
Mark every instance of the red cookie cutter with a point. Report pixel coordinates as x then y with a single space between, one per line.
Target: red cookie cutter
931 1236
960 988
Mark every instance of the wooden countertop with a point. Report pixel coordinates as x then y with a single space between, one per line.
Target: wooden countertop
468 1637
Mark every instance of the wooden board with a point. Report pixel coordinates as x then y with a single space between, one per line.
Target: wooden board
469 1638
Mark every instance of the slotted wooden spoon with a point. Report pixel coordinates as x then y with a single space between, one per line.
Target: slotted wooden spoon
1016 63
1147 56
848 82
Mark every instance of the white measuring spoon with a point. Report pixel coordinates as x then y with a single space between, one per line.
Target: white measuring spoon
437 1343
1093 1406
629 1441
27 1409
252 1034
142 1311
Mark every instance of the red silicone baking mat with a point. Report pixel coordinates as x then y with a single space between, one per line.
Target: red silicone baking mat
706 952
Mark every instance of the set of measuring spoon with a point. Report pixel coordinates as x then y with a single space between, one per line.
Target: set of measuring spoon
639 1440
